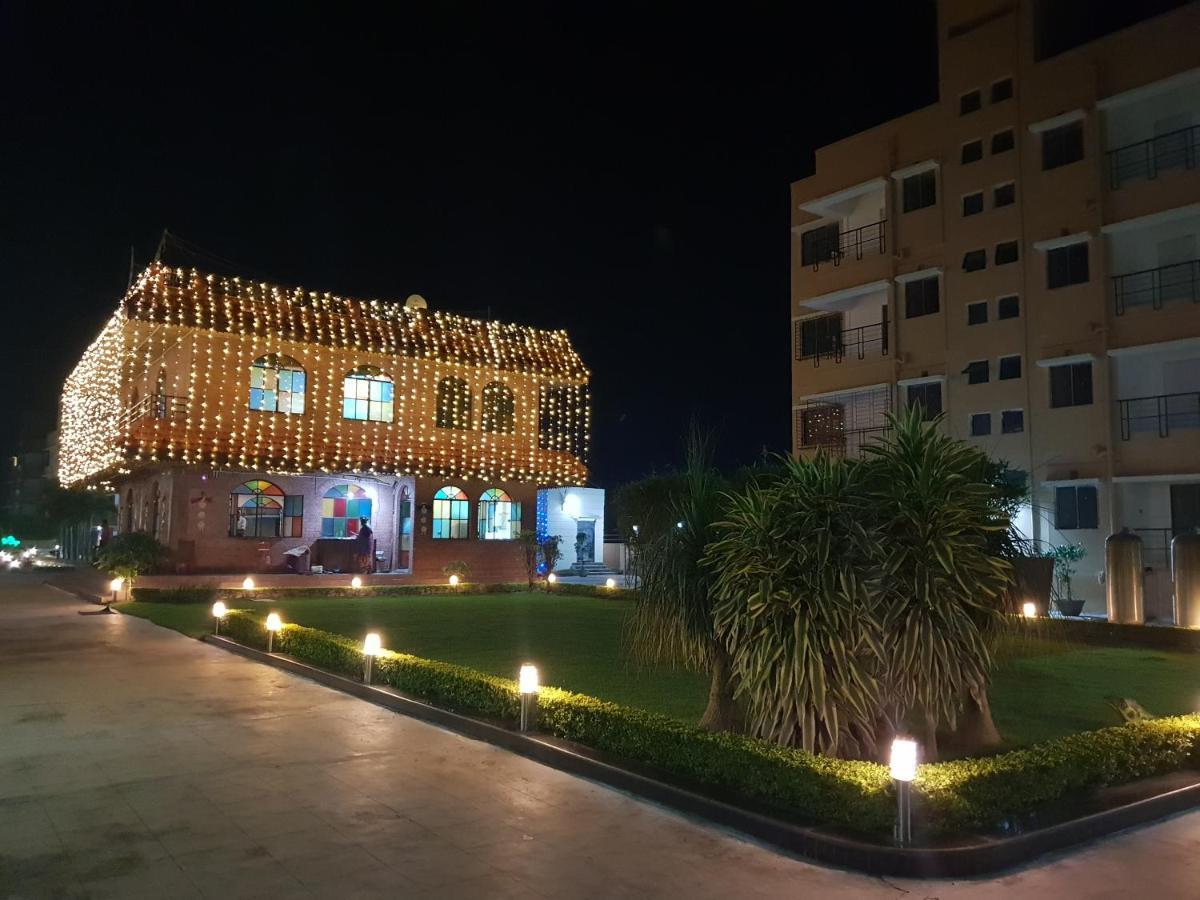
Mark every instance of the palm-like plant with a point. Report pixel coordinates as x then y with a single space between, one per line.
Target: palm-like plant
672 621
941 582
794 605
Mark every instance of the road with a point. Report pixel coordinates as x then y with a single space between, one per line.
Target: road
135 762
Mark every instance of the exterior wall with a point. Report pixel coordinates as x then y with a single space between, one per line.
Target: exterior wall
566 508
980 43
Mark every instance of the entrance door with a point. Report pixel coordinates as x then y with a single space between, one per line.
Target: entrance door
1185 507
585 541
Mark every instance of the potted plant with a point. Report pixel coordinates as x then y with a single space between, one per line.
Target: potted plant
1065 557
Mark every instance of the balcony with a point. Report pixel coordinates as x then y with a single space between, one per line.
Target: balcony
1155 288
851 443
1146 159
831 244
1160 415
162 407
835 344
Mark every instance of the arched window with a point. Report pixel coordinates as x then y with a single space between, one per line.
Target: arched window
277 384
453 404
341 508
499 517
498 408
260 509
367 395
450 513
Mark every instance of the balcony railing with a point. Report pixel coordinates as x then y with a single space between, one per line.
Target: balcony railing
1145 159
854 343
1161 414
164 407
1178 283
851 443
856 242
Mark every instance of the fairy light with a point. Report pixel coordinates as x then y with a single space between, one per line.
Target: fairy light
514 399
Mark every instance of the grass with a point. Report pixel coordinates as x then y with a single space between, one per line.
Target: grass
1041 689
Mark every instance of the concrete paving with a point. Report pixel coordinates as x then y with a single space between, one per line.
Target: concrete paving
135 762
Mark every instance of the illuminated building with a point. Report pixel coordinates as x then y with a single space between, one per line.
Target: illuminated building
234 418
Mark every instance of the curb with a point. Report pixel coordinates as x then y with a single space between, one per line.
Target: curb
982 858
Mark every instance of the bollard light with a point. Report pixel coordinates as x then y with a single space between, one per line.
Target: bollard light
371 647
1029 610
115 584
527 685
247 583
610 583
356 582
453 581
274 623
218 612
903 765
551 578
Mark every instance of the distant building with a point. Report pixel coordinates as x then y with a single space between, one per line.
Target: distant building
240 422
1023 257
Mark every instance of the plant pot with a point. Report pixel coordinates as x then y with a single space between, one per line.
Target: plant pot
1070 607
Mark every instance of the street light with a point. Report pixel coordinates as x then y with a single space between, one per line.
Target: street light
904 770
371 647
218 612
1029 610
527 685
274 623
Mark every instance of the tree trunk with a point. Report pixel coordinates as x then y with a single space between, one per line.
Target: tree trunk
976 730
721 714
929 747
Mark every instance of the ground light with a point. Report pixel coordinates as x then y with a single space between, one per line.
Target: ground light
527 684
1029 610
454 581
247 583
904 770
356 582
371 647
551 579
115 585
218 612
274 623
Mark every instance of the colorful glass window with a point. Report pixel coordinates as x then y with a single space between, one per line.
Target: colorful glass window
259 509
499 409
450 513
499 517
341 509
453 404
277 384
367 395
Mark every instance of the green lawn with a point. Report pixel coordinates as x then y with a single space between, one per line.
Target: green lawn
1041 689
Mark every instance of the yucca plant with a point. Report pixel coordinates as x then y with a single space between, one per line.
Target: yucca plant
672 620
941 582
792 562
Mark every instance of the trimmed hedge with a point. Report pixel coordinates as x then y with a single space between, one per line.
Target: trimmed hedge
1094 632
982 794
208 594
175 595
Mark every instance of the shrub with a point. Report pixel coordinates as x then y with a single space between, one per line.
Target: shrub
175 595
459 568
983 794
131 554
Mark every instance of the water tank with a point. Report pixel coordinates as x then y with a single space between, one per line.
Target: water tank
1185 572
1123 564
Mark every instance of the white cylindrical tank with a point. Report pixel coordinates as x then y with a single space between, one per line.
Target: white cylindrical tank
1123 565
1185 573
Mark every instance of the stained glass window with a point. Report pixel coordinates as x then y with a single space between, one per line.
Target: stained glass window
260 509
499 410
367 395
277 384
450 513
499 517
453 403
341 508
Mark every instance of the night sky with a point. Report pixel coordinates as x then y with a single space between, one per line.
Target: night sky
622 175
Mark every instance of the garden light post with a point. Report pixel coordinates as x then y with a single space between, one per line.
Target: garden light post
247 583
356 582
115 585
218 612
610 583
904 770
527 684
454 582
274 623
1028 610
550 579
371 647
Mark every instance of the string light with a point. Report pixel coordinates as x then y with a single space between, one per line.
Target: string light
167 380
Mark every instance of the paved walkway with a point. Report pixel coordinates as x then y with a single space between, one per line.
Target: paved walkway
135 762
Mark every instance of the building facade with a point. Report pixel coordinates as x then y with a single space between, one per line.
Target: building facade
1022 256
242 424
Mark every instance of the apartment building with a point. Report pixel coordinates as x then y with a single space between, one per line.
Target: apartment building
1022 256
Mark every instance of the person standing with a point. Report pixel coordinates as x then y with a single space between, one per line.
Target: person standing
364 546
105 534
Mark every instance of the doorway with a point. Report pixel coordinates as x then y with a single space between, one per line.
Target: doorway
585 541
1185 508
